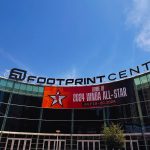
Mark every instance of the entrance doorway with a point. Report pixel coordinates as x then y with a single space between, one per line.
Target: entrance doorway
88 145
18 144
54 144
131 145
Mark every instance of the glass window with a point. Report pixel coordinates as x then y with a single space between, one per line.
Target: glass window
127 111
147 103
57 114
144 81
146 93
27 100
9 85
35 89
132 125
29 88
140 93
22 87
1 121
41 90
2 109
16 87
52 126
3 83
114 112
143 108
88 114
24 112
148 76
137 81
91 127
4 96
134 110
21 125
147 124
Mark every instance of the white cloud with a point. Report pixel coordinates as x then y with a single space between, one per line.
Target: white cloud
13 60
143 38
6 73
139 17
9 57
72 74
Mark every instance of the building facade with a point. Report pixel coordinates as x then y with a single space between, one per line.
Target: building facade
25 125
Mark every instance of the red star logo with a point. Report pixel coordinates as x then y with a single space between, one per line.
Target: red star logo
57 98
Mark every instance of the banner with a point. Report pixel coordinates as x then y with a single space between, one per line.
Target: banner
88 96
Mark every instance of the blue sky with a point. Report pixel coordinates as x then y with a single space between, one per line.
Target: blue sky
74 38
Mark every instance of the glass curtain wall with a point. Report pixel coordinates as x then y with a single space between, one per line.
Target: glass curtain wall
26 115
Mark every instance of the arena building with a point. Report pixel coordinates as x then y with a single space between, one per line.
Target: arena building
27 122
